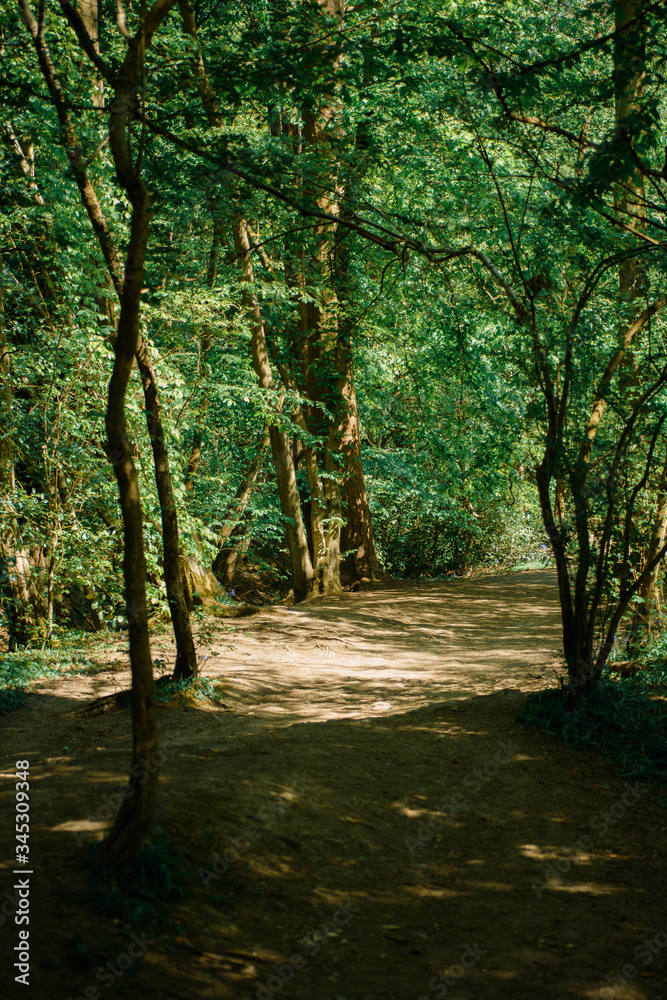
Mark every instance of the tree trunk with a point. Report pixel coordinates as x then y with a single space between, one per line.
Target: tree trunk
361 565
290 502
186 657
7 480
90 15
629 73
137 812
195 451
647 591
226 562
193 462
341 510
186 662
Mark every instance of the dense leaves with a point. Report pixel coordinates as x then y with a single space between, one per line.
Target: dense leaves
464 203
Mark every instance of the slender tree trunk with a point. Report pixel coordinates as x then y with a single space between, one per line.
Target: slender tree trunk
137 812
7 480
290 502
186 662
195 451
193 462
90 15
225 562
186 657
302 569
629 73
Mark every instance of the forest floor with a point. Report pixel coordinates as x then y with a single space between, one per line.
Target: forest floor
390 831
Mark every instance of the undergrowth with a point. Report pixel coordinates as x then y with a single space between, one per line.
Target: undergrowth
141 893
623 718
20 668
188 690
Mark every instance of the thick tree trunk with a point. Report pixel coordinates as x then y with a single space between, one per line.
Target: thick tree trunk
314 354
326 332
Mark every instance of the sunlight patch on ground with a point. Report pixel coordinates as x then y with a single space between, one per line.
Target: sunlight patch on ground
592 888
429 892
81 826
536 853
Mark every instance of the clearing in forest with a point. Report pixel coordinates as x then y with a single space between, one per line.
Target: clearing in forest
363 818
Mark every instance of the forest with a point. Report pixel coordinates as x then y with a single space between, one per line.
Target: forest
333 499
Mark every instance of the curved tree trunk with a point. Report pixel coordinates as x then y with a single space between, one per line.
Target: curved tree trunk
647 591
137 812
186 661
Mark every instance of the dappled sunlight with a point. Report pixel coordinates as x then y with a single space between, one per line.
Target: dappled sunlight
368 814
383 653
552 854
80 826
428 892
591 888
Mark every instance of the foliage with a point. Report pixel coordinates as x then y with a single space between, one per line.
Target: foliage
625 719
19 669
141 893
190 691
481 162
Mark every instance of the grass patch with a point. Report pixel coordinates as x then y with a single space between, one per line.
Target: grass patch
189 691
622 718
142 893
20 669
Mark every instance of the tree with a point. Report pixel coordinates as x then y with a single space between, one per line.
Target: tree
186 662
136 814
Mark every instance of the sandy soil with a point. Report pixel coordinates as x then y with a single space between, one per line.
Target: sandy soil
363 818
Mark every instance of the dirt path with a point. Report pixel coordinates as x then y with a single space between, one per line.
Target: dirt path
364 818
